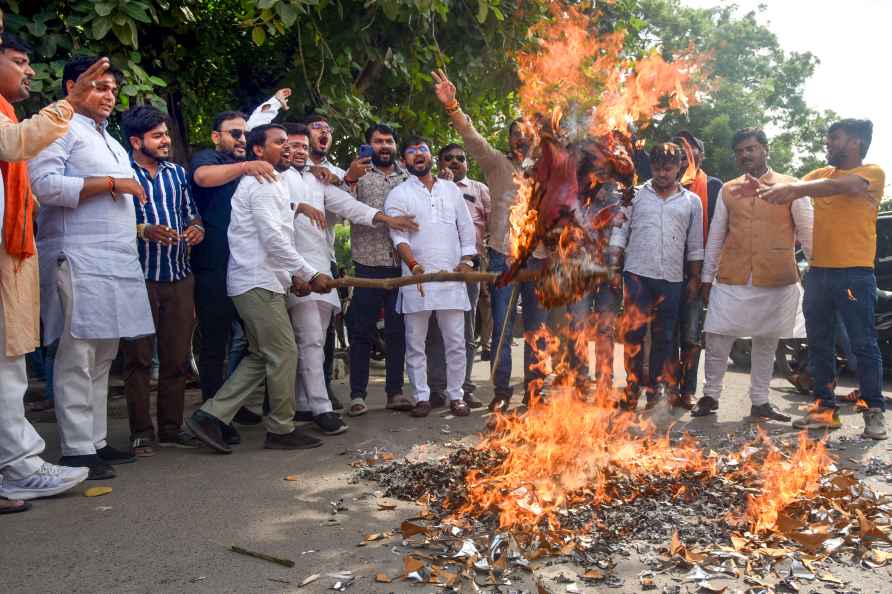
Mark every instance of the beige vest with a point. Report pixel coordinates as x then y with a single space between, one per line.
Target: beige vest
761 237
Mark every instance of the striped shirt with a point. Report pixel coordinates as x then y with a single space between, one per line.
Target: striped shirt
168 202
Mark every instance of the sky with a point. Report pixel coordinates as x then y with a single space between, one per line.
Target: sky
852 41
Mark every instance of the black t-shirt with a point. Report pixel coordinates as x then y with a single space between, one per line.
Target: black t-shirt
713 185
215 209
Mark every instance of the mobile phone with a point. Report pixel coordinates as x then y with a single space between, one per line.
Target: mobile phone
365 151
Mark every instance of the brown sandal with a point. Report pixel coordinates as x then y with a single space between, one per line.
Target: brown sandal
422 409
459 408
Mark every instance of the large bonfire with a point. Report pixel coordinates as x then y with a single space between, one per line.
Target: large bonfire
569 475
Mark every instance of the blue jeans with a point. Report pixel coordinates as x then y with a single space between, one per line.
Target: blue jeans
361 320
660 301
534 315
851 293
597 307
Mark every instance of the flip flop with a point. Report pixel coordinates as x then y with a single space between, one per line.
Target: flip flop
14 509
143 447
357 407
399 402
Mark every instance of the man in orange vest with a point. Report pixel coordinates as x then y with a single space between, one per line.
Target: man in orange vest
841 278
750 279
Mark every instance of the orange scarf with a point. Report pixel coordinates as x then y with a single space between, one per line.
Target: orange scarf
699 187
18 216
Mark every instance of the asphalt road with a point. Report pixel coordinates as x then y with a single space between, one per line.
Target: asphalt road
170 519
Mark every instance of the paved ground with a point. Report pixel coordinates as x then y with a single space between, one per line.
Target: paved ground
171 518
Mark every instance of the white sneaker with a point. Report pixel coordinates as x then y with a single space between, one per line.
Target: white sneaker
48 481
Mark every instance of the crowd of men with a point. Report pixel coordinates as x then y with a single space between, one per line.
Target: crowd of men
131 247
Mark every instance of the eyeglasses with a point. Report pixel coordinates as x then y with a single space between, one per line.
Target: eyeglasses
235 133
423 149
459 158
321 126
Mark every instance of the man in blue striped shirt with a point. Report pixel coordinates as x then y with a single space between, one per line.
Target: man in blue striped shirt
168 225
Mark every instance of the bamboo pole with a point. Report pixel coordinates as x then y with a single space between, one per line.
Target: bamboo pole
438 277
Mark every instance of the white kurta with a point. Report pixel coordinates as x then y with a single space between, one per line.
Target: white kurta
745 310
446 233
311 241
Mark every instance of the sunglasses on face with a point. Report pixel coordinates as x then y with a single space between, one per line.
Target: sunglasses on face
321 126
419 149
459 158
235 133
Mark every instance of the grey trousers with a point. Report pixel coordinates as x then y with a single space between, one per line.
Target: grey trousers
436 355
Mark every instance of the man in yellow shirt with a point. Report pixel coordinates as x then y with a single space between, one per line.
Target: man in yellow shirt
841 277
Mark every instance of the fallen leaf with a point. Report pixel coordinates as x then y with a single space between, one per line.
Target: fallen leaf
373 536
291 477
97 491
411 529
739 543
382 578
411 565
386 506
310 579
593 575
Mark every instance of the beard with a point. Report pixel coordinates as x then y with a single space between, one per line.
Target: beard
153 154
420 171
382 159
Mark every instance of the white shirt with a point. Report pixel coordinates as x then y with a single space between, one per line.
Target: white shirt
656 232
97 236
311 241
261 239
446 233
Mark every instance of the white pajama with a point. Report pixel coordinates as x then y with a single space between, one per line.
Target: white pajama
718 349
310 320
20 444
452 328
80 382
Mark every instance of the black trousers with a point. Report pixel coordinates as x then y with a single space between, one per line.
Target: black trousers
216 313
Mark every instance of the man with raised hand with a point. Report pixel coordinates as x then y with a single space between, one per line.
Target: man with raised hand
841 278
92 288
23 472
263 267
750 278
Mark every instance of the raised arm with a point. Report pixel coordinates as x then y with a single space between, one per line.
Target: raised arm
267 111
862 186
477 146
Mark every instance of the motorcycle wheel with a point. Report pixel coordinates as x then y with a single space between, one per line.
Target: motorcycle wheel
742 354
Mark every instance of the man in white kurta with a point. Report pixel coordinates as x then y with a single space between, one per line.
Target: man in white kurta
750 278
92 287
445 241
315 203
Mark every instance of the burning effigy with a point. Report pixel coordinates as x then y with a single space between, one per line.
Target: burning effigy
575 477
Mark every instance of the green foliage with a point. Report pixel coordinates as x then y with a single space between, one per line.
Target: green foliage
342 248
365 61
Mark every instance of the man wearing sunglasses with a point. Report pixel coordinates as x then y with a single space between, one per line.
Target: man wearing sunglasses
453 165
215 174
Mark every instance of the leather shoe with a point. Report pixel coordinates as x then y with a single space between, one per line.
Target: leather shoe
207 429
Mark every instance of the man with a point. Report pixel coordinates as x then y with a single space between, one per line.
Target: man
841 278
23 473
499 170
92 287
373 257
263 266
453 166
662 227
706 188
311 314
594 315
444 241
751 257
215 175
168 225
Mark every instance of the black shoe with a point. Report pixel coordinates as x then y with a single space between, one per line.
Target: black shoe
246 417
335 402
207 428
705 406
231 436
500 402
485 355
110 455
769 412
303 416
99 470
653 397
437 400
296 440
471 401
330 423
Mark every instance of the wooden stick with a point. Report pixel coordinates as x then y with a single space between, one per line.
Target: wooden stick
435 277
265 557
